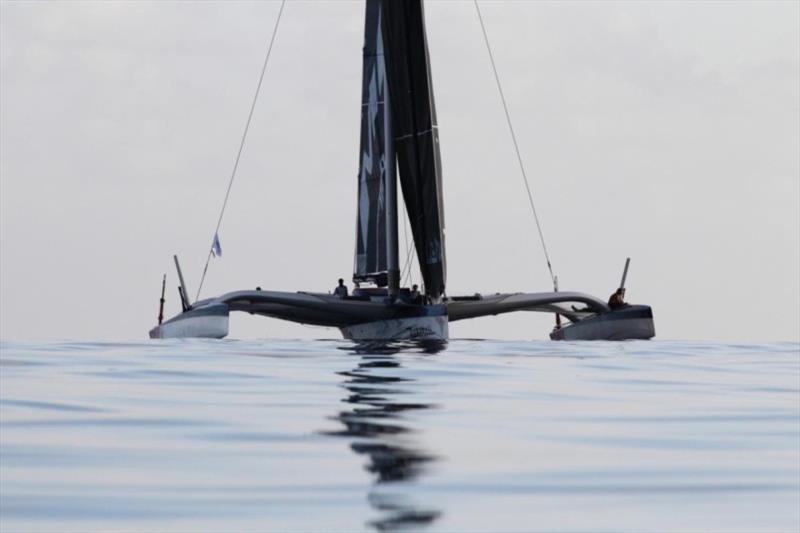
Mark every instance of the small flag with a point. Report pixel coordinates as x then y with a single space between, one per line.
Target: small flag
216 248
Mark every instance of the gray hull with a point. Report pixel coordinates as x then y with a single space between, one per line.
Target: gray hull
630 322
206 322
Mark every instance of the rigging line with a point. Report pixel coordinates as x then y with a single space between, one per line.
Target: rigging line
412 261
404 272
410 249
407 249
407 268
241 146
405 242
516 146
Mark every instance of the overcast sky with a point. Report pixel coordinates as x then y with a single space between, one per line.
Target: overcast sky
664 131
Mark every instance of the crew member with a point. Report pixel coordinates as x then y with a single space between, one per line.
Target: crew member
617 299
414 295
341 289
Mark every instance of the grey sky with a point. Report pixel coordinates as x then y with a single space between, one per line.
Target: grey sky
669 132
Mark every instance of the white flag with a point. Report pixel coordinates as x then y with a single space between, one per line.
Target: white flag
216 248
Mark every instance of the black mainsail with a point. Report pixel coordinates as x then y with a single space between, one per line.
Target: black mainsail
397 69
416 135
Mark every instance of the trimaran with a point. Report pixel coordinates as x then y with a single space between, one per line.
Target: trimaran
399 139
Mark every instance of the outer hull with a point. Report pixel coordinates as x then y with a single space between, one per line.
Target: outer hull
630 322
210 322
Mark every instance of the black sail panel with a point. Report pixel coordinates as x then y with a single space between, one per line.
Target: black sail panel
416 135
374 165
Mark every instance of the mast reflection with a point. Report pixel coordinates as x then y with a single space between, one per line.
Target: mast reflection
379 430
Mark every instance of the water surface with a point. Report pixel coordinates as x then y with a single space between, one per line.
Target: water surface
327 435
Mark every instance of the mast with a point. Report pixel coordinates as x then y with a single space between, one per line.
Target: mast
392 259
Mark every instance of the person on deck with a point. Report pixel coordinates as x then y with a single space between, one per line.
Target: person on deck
617 299
414 295
341 289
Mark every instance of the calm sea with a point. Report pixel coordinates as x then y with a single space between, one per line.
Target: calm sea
326 435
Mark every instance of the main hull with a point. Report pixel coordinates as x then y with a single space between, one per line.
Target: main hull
424 328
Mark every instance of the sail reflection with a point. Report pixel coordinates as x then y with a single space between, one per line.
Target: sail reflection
380 431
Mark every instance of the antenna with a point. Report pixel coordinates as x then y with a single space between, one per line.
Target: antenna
555 289
161 305
625 273
183 291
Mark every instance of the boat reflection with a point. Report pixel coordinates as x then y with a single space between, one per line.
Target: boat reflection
379 430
